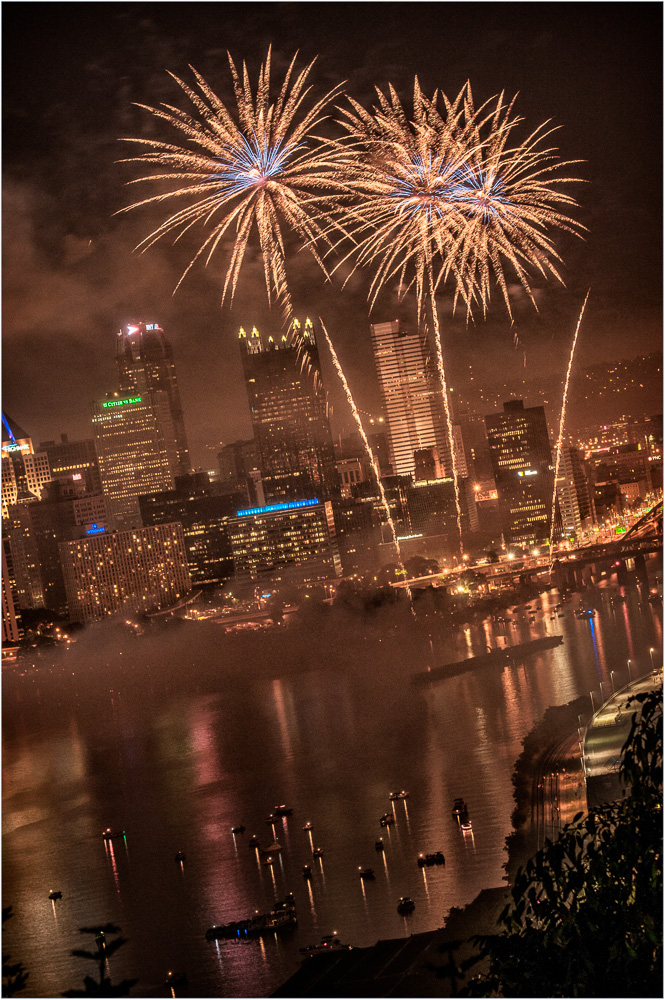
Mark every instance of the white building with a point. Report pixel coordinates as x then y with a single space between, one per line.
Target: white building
411 396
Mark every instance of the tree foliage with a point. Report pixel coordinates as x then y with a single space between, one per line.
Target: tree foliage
104 948
14 976
585 914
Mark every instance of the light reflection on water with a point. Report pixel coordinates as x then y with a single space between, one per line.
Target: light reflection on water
178 762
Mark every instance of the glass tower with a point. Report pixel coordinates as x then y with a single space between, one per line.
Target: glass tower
290 415
411 397
145 361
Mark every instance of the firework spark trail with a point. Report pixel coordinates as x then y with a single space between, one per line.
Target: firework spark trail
370 455
449 421
259 166
559 442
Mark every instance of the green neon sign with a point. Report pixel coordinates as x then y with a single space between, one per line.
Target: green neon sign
121 402
620 530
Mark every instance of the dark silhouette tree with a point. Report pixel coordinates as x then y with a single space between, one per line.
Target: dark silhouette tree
14 976
585 917
105 947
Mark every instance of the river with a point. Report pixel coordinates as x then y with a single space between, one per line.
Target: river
177 736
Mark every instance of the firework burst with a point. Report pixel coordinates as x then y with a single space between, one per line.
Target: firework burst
505 203
257 166
441 195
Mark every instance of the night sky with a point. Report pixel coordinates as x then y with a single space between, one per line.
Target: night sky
71 74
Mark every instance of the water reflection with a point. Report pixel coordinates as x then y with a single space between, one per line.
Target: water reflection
181 759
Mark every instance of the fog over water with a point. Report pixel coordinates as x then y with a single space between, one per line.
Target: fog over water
181 733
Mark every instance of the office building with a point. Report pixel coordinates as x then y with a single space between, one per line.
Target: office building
239 470
135 446
203 509
289 414
293 542
24 471
522 463
11 626
144 570
75 459
358 532
411 396
574 494
145 362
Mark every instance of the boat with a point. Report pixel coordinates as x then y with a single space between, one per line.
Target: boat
329 942
110 834
427 860
398 795
387 819
308 826
253 841
281 917
466 825
175 979
238 829
269 860
55 894
273 848
590 613
366 873
306 871
500 656
180 856
317 852
405 905
283 811
459 808
379 845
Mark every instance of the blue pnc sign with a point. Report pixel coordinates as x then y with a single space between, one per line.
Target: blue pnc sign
273 507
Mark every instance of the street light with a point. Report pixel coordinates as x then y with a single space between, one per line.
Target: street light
651 655
630 677
612 680
593 707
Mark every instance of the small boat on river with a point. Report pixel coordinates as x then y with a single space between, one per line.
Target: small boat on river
405 905
329 942
281 917
109 834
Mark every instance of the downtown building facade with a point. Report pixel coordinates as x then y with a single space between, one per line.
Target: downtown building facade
291 542
76 460
204 510
521 458
144 359
24 471
139 571
289 412
411 397
136 448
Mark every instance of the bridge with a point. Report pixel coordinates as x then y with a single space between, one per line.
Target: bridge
574 567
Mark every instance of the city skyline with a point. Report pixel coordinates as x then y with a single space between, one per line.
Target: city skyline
71 278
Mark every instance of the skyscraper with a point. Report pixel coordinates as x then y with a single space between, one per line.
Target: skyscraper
289 414
411 396
136 449
24 471
145 361
522 462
